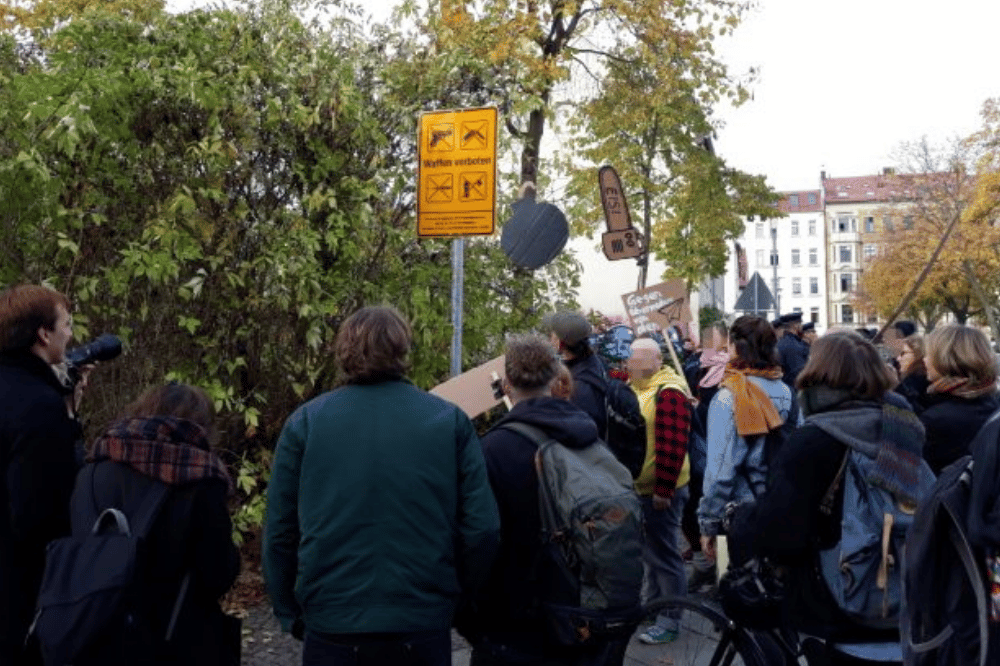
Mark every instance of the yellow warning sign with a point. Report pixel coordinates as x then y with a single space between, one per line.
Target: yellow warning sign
456 173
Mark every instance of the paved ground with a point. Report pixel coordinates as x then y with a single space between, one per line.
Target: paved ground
265 645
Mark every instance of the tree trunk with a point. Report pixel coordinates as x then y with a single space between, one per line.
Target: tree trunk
533 143
984 301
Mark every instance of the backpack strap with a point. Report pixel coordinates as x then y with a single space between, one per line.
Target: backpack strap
550 521
964 548
826 505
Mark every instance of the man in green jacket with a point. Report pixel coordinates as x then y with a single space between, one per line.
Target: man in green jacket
379 510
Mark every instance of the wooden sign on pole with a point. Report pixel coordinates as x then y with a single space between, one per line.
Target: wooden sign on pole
656 308
622 240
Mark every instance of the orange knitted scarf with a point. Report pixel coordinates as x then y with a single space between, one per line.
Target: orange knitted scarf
753 410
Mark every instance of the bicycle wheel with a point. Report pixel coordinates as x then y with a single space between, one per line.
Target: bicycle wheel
707 638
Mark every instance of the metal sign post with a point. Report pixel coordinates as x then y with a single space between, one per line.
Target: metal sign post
456 192
457 303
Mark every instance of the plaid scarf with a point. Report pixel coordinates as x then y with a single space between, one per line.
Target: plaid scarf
961 387
172 450
753 410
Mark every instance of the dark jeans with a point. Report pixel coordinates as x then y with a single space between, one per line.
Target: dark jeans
421 648
689 519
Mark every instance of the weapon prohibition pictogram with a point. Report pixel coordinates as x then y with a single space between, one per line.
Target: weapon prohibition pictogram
473 135
473 186
439 188
442 137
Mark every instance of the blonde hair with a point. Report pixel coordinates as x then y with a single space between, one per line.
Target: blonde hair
961 351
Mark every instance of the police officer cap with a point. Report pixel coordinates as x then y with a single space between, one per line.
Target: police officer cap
569 327
776 322
791 318
808 326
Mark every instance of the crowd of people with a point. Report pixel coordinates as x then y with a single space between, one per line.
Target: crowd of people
390 520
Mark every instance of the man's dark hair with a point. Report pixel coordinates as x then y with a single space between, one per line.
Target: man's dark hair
755 342
530 362
23 310
372 345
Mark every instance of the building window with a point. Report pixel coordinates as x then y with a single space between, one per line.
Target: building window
793 200
796 286
795 227
813 285
814 315
907 221
846 314
870 250
760 230
845 254
795 258
842 225
813 257
760 257
812 227
846 283
887 223
812 199
869 225
872 318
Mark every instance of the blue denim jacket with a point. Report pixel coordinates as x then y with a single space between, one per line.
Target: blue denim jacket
735 470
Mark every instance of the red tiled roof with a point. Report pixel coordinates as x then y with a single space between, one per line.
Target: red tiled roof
884 187
803 206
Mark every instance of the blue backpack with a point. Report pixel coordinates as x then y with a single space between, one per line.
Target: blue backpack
863 570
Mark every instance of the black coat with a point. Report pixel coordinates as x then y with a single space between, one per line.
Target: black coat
951 424
793 353
192 533
913 387
786 525
505 602
590 386
38 462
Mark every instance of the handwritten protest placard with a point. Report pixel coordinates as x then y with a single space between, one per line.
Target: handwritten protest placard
655 308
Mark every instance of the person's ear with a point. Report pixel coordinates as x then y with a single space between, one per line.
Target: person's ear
43 336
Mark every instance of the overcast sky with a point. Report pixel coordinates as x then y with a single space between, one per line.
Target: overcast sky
841 84
844 82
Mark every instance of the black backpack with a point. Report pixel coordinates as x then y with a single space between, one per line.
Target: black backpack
90 603
945 615
626 427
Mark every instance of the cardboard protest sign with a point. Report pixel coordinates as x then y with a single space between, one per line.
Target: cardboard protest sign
656 308
474 391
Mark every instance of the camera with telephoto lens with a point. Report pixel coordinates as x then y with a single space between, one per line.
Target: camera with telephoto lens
105 348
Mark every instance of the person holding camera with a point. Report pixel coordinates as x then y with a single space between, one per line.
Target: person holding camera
39 436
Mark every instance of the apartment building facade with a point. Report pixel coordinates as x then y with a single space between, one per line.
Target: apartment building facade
812 259
859 212
788 253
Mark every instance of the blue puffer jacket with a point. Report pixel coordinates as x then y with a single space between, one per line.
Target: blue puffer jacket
735 470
